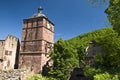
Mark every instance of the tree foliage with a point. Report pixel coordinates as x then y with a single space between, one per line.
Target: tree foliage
82 41
105 76
111 47
65 58
108 60
107 63
91 71
113 12
67 53
38 77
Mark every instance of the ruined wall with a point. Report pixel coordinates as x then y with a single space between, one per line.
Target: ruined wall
1 48
10 52
1 53
92 50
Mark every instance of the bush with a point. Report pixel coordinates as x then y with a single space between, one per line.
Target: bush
39 77
105 76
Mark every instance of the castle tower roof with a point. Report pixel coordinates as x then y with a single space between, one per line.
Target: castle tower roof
40 13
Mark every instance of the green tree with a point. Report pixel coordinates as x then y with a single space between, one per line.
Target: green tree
105 76
109 60
38 77
110 57
65 58
91 71
113 12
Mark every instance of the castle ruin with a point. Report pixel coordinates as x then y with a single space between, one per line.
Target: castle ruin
37 41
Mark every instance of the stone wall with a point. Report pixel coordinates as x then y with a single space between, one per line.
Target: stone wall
9 52
1 48
18 74
31 61
35 62
1 52
91 51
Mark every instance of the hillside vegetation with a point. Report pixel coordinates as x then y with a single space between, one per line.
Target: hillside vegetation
84 39
109 61
67 53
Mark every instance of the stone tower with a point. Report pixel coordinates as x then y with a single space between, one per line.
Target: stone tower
37 41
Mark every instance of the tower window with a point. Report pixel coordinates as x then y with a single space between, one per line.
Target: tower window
10 52
8 64
6 52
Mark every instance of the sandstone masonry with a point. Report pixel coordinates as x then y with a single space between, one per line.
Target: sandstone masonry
37 41
9 53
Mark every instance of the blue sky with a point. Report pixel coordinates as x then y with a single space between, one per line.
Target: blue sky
71 17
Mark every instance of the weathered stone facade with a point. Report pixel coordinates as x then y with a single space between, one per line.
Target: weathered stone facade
9 52
91 51
1 52
37 40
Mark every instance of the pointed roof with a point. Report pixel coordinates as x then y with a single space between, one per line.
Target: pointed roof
39 14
